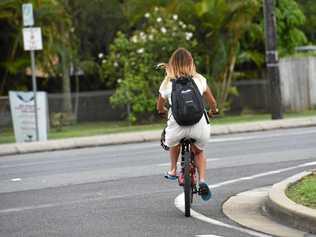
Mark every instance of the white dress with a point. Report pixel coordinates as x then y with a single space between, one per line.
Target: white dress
174 132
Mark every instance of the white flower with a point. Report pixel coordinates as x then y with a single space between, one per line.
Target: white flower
143 36
103 61
182 24
156 9
163 30
147 15
150 37
188 35
140 51
100 55
134 39
159 19
119 80
115 64
175 17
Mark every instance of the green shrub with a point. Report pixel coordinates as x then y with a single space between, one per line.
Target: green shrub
130 65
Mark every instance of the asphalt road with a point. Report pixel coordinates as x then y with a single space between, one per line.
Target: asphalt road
120 190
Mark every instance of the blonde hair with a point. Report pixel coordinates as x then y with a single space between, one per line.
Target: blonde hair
181 63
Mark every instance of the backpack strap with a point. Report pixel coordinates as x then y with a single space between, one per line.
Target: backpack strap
205 112
194 84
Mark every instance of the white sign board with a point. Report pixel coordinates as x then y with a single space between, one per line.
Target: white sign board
28 19
32 38
23 116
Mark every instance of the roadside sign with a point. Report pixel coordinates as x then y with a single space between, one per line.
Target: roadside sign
28 19
22 106
32 38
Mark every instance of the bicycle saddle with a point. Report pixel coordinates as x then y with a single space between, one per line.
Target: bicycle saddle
187 140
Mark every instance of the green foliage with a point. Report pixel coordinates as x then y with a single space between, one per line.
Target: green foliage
304 191
226 33
309 9
289 20
225 22
56 25
95 23
130 66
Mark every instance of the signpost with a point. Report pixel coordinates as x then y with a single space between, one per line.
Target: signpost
32 39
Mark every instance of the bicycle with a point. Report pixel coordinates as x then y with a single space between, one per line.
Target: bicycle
187 177
189 170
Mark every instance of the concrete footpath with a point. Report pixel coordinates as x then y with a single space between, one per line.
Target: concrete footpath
284 210
270 211
133 137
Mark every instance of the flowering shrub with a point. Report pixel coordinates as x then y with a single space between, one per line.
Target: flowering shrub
130 64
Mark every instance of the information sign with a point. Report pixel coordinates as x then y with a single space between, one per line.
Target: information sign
32 38
22 111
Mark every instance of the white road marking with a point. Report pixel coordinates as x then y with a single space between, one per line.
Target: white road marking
49 205
16 180
179 200
179 203
211 160
259 136
208 236
100 197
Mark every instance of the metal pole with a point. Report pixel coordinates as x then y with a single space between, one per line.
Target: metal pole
272 60
34 91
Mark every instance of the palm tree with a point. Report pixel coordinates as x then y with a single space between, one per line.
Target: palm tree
11 40
57 40
225 22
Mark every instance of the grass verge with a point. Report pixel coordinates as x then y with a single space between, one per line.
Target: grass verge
304 191
101 128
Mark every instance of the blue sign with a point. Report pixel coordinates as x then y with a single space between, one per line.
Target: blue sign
28 19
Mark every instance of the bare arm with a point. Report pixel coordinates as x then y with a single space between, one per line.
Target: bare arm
161 108
210 100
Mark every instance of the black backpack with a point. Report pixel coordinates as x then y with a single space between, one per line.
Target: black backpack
186 101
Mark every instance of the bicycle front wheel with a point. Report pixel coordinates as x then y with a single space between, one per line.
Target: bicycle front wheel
187 185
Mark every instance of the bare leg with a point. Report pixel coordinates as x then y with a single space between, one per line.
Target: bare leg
174 155
200 161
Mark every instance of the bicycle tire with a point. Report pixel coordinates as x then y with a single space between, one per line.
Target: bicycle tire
187 185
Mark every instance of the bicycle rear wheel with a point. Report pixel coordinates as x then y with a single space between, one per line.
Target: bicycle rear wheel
187 185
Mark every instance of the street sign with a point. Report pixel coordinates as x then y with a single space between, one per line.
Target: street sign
28 19
32 38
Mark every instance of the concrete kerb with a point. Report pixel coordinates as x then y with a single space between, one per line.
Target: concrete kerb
79 142
263 125
281 208
247 210
133 137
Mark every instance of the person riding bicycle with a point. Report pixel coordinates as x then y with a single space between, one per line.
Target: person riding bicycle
181 64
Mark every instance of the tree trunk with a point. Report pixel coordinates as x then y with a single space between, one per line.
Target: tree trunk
227 75
77 93
67 105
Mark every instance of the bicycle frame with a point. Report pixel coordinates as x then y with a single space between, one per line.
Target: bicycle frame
188 169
